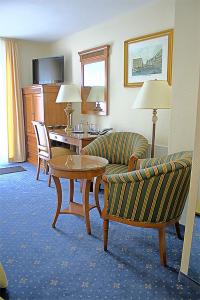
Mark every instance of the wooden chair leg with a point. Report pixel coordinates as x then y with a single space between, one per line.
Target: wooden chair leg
96 186
49 180
38 168
105 233
47 168
162 247
178 232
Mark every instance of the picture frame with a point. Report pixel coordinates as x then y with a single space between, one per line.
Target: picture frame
148 57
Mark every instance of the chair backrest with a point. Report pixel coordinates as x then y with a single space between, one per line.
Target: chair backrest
149 162
117 147
152 195
42 138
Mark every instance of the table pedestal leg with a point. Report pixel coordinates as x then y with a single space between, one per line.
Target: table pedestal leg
96 185
85 195
59 199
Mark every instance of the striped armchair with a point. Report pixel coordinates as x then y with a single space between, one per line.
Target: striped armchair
121 149
151 197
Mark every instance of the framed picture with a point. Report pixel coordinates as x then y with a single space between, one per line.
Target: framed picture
148 57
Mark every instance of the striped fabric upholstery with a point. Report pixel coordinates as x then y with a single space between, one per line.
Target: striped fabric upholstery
149 162
116 169
117 148
151 195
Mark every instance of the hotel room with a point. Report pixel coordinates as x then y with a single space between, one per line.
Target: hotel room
99 101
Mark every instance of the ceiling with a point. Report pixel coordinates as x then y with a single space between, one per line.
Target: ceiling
50 20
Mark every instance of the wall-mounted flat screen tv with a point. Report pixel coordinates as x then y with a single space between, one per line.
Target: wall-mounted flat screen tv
48 70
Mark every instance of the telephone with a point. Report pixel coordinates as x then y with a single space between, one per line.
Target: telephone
100 132
105 130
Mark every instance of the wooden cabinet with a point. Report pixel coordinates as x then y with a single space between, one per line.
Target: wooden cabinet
40 105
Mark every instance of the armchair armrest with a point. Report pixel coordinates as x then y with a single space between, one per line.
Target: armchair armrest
132 163
140 175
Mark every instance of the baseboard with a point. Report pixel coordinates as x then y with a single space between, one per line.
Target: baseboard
185 279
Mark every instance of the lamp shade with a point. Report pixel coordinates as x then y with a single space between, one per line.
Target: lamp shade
96 94
154 94
68 93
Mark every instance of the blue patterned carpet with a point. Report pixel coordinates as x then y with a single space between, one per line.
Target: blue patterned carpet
194 266
66 263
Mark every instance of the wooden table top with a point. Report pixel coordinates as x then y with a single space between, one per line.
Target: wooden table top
72 134
77 163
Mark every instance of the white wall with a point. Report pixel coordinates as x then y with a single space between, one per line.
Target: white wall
156 17
185 76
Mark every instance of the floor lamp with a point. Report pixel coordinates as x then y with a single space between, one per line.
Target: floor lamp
154 94
68 93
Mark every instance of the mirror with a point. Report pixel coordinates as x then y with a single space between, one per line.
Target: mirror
94 80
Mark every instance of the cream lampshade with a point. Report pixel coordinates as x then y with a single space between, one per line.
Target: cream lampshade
154 94
96 95
68 93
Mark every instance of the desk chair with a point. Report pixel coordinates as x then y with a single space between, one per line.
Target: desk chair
45 151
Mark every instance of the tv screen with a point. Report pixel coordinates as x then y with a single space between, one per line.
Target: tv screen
48 70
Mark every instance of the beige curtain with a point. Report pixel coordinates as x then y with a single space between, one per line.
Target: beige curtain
15 120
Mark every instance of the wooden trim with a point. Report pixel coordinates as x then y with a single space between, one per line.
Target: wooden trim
105 49
137 223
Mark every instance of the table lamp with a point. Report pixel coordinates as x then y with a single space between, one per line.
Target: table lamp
154 94
96 95
68 93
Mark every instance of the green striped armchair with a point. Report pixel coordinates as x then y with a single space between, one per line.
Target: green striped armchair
121 149
152 196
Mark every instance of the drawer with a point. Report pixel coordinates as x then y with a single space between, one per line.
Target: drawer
59 138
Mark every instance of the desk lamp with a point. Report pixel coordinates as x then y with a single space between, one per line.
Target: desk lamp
154 94
96 95
68 93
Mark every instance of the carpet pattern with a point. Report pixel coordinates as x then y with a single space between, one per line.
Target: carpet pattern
194 266
65 263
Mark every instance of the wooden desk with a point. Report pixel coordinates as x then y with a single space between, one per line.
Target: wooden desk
75 139
84 167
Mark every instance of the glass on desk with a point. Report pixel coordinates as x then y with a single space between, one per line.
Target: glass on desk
92 128
78 128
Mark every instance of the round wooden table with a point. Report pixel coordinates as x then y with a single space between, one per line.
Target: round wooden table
84 167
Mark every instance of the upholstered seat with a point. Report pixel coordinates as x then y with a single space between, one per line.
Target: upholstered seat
152 196
45 151
121 149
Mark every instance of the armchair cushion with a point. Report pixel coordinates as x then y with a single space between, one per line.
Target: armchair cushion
116 169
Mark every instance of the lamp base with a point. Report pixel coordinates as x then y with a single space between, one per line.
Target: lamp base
98 107
68 128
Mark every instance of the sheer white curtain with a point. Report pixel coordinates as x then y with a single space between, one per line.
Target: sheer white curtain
3 105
